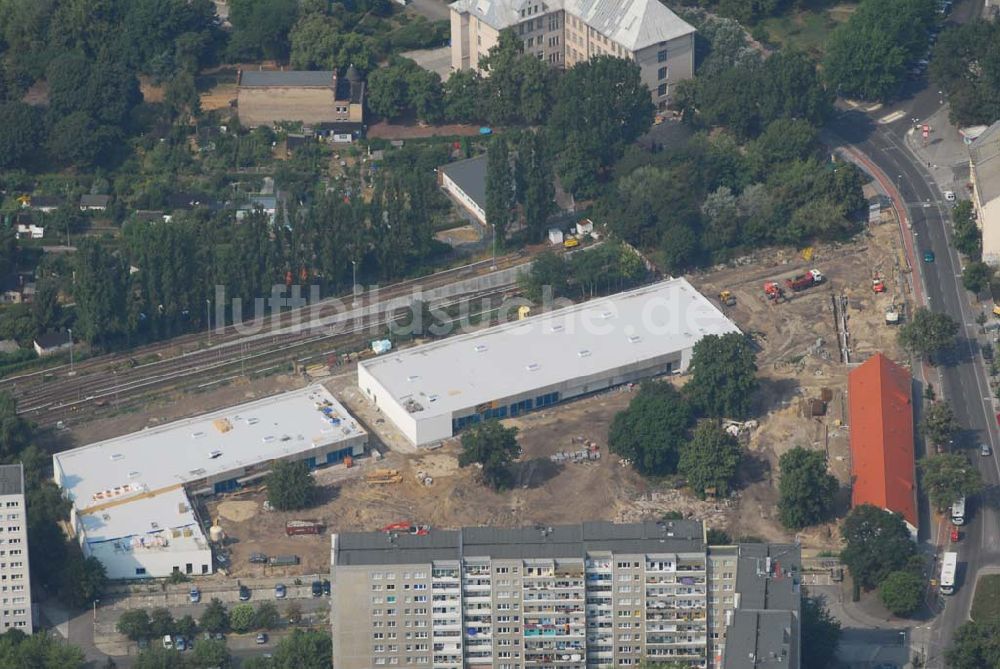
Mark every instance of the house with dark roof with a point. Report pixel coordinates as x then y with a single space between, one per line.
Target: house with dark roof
984 172
89 202
880 409
45 203
52 342
465 181
321 100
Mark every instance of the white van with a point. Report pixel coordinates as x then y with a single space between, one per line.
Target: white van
167 641
958 512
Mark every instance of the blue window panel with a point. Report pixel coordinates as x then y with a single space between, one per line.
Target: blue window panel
226 486
310 463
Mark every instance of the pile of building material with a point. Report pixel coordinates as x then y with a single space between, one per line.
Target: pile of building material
591 453
383 477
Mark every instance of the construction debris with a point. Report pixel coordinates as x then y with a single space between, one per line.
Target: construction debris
383 477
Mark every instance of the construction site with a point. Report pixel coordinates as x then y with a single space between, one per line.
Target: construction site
808 337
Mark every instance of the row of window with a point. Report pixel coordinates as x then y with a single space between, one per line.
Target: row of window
391 576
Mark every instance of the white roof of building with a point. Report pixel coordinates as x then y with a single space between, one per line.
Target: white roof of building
635 24
173 454
577 341
164 522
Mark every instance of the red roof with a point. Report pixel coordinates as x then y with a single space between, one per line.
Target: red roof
880 401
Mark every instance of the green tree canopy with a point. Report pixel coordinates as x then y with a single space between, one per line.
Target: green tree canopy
493 446
266 617
499 188
928 332
710 460
820 634
22 130
902 592
976 644
516 88
938 424
304 650
807 489
242 618
261 28
653 430
215 617
548 274
723 375
290 485
976 276
158 657
135 624
211 653
877 544
966 65
38 651
161 622
948 477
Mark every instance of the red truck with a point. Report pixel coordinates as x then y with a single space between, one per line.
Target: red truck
803 281
293 527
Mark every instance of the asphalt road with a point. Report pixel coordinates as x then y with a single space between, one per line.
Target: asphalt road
960 375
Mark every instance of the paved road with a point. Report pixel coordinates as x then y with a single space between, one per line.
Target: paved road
961 378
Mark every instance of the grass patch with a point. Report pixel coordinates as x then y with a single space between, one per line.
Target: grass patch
986 605
805 30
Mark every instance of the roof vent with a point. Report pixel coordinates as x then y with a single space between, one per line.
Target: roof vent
412 377
556 328
116 457
607 314
634 339
583 353
197 435
480 348
133 475
214 454
532 367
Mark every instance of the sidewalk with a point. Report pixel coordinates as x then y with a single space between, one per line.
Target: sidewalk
945 155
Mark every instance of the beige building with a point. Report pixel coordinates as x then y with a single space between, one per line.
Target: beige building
566 32
568 597
320 100
984 164
15 580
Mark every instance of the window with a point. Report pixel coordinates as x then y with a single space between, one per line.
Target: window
661 90
661 74
661 56
140 571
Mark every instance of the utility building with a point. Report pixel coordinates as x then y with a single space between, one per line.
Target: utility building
880 404
131 495
430 392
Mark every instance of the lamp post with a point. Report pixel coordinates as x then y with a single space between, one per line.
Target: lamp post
354 283
70 331
493 265
208 314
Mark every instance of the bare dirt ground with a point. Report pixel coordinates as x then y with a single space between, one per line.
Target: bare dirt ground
383 130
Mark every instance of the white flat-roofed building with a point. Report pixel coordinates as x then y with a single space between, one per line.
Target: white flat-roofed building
432 391
130 494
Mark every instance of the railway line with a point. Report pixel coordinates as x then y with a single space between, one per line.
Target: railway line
55 396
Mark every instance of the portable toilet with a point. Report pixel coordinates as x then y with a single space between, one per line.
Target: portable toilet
555 236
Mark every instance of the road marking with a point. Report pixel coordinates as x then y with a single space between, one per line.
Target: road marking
894 116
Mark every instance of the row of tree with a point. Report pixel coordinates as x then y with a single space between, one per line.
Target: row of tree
300 649
610 267
966 65
139 624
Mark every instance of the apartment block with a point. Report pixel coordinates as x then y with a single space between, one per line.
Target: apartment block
15 581
565 32
568 597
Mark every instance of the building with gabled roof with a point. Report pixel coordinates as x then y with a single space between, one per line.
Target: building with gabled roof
880 404
566 32
321 100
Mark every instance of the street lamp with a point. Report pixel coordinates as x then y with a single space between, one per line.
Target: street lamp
494 264
354 283
70 331
208 313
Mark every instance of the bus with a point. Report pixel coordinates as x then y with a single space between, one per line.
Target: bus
958 512
948 567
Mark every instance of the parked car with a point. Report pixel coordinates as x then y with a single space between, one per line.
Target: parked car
180 644
262 638
949 195
326 587
258 558
928 256
244 593
168 641
195 595
317 588
280 591
985 450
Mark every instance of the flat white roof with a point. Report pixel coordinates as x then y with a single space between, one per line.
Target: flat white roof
576 341
164 522
174 454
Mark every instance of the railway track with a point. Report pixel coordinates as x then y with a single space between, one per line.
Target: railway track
57 398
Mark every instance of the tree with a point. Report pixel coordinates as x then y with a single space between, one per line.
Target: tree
939 425
22 130
161 622
710 460
601 107
976 644
877 544
293 613
387 93
966 65
38 651
807 489
215 618
820 634
516 88
211 653
653 430
463 96
82 579
135 624
261 28
902 592
868 56
100 292
499 188
967 238
723 375
242 618
185 626
716 537
304 650
948 477
537 193
290 486
976 276
15 431
158 657
266 617
928 332
548 271
493 446
45 308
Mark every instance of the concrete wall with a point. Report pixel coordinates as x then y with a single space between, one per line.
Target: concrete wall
157 563
384 402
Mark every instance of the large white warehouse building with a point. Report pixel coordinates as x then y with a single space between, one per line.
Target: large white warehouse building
131 494
432 391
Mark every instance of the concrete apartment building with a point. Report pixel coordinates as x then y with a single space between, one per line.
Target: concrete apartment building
15 581
572 596
566 32
984 172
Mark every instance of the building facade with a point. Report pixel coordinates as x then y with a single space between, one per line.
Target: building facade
465 181
321 100
15 578
565 32
574 597
984 173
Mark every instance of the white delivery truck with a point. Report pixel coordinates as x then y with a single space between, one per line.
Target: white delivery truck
958 512
948 567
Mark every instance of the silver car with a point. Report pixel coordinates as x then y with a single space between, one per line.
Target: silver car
984 450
